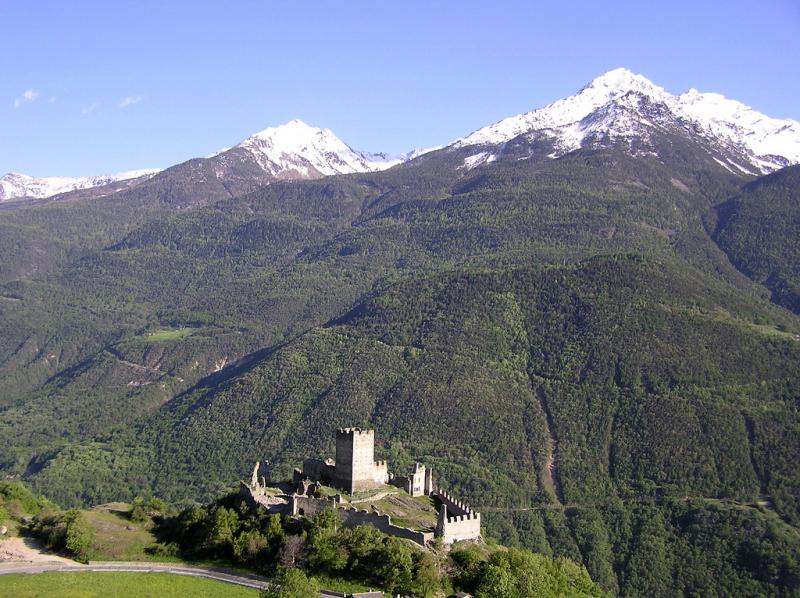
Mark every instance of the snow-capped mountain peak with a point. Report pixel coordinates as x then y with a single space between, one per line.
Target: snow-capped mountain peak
568 111
621 104
298 150
771 142
15 185
620 81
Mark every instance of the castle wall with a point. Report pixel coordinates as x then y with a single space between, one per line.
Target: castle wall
256 497
418 483
353 517
462 527
318 470
454 506
458 521
308 506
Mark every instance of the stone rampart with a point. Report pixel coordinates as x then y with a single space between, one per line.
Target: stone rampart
354 517
457 520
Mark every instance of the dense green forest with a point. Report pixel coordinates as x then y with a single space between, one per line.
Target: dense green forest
758 230
595 351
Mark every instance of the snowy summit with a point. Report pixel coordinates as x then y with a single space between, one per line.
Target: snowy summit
621 104
298 150
17 186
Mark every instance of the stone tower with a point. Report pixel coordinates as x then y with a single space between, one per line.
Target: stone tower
356 468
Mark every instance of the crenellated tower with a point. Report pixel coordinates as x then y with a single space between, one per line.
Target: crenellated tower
356 468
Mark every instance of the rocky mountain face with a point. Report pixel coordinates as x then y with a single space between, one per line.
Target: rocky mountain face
627 110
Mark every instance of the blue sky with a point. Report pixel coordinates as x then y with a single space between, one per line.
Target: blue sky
118 85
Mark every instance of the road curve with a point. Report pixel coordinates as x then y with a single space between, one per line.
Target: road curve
224 575
239 579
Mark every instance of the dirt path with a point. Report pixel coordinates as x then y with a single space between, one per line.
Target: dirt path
27 550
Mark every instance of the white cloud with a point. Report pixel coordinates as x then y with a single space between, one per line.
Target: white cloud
52 100
90 108
130 101
29 95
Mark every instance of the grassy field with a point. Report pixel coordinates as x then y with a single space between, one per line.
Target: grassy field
168 334
116 585
117 538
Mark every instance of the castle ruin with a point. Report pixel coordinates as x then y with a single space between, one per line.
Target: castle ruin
355 470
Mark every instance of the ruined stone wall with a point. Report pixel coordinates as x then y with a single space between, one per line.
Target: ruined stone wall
354 517
458 521
308 506
318 470
256 497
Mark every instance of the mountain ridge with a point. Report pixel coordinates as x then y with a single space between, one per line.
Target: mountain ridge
618 106
15 185
765 143
577 309
291 151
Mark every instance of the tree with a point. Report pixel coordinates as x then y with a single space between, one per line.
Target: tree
363 542
137 512
249 545
291 583
79 536
394 565
326 520
469 562
291 552
274 532
426 574
325 551
223 529
496 581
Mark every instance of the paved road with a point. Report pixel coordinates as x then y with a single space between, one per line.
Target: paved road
240 579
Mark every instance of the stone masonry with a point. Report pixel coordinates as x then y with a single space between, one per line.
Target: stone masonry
456 520
354 470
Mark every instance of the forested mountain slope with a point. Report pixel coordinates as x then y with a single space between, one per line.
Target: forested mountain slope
572 404
758 230
245 273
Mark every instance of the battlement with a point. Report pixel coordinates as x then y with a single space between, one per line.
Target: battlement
355 432
457 520
460 518
454 505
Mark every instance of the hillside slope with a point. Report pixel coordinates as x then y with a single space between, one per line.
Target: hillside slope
569 403
758 230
